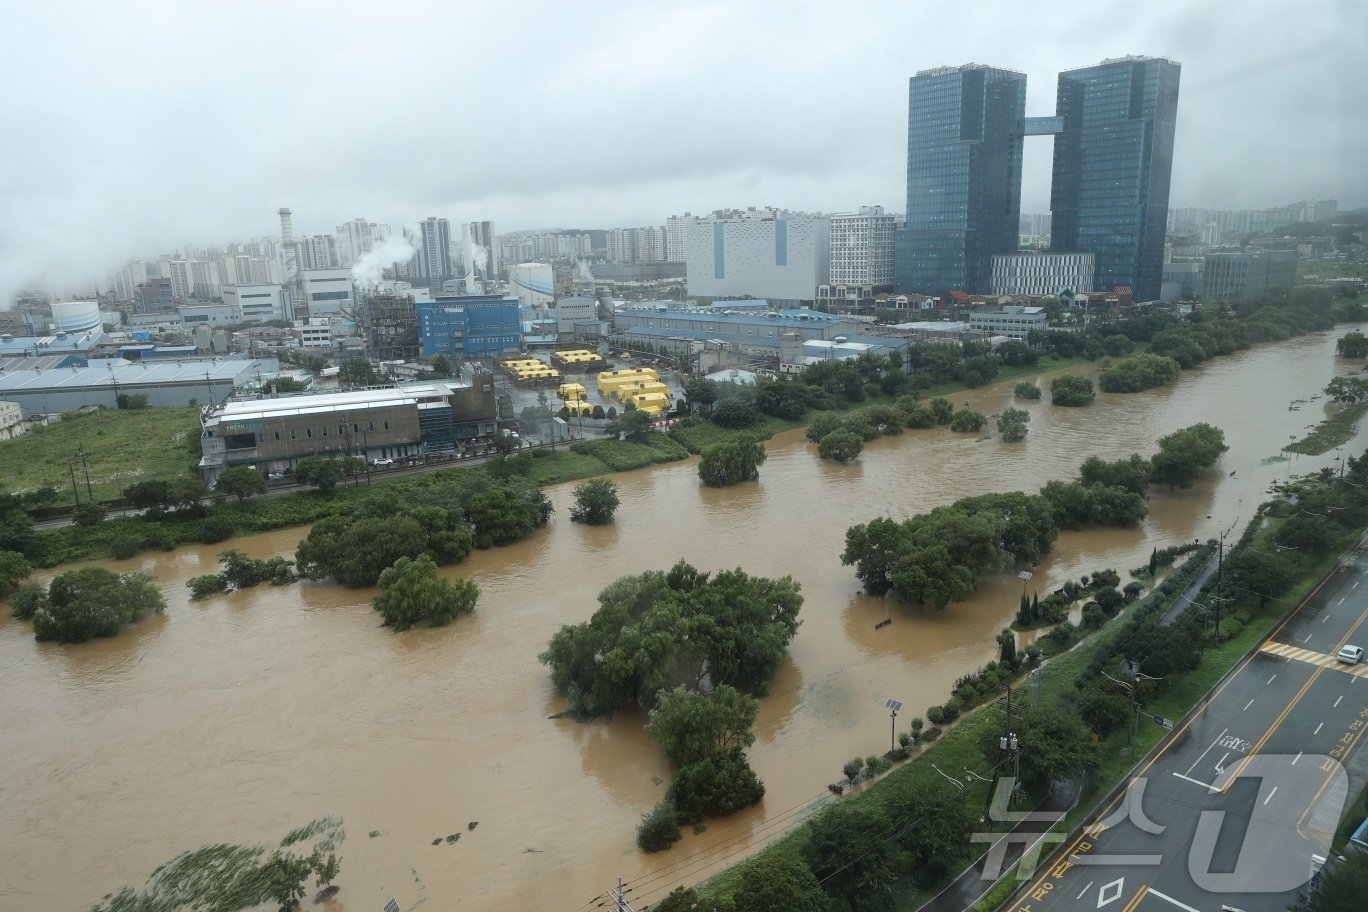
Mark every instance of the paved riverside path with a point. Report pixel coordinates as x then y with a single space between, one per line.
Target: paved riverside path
1234 805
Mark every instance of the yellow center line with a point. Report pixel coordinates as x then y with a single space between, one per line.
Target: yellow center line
1331 776
1282 717
1135 900
1193 717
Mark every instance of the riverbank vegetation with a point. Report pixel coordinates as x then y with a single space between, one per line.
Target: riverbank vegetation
1072 391
232 878
242 572
1138 373
936 558
656 631
1075 701
120 446
411 592
92 602
595 502
731 462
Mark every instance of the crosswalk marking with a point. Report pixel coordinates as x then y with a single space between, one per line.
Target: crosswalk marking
1311 657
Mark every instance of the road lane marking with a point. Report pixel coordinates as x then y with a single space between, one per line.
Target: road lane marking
1296 758
1344 760
1209 747
1249 704
1318 728
1206 785
1270 795
1135 900
1308 638
1220 764
1085 890
1356 582
1324 619
1282 717
1337 700
1341 601
1270 680
1198 711
1153 892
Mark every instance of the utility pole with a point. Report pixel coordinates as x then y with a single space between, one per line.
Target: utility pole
74 492
86 467
619 897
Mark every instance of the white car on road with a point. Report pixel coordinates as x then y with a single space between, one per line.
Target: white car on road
1350 654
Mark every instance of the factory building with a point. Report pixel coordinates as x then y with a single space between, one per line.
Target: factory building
164 383
413 419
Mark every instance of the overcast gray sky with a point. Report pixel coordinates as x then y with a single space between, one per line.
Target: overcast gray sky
135 127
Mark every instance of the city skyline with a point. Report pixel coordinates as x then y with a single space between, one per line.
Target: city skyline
668 143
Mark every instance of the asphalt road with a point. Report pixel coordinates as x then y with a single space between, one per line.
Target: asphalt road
1235 804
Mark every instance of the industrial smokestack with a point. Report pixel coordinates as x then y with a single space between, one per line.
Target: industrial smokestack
286 227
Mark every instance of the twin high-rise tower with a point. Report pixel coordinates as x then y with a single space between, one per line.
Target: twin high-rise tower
1113 127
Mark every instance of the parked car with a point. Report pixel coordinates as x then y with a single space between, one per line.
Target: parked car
379 463
1350 654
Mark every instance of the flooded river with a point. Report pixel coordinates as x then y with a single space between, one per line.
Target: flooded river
239 717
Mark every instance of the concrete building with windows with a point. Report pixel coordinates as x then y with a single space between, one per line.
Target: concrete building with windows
11 420
433 259
1247 275
862 248
1013 321
677 236
154 296
272 435
259 303
636 245
470 327
328 292
572 310
769 253
756 333
1035 274
356 238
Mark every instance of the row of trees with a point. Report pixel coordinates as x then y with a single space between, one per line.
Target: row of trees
862 853
1142 372
935 558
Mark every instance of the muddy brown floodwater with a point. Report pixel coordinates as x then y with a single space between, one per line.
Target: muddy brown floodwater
239 717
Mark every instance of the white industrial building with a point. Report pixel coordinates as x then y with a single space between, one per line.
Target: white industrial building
328 291
259 303
533 283
572 310
769 253
75 316
1013 321
164 383
1037 274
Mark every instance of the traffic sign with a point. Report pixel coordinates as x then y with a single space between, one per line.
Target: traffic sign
1165 723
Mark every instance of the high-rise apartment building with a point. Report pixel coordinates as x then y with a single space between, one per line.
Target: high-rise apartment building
318 251
964 137
636 245
434 250
356 238
1113 158
862 248
677 235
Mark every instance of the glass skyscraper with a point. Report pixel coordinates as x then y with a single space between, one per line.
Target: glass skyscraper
964 134
1113 158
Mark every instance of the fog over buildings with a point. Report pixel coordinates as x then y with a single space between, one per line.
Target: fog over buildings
597 116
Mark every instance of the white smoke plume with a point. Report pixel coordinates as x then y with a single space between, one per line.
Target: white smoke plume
370 269
481 257
584 271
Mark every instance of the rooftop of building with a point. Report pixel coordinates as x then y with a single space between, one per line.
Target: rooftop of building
56 342
950 70
338 401
783 317
118 372
1128 58
934 326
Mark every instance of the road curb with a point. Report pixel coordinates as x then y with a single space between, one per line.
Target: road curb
1181 724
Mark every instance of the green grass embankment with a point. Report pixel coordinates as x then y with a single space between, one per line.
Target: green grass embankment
121 447
1333 431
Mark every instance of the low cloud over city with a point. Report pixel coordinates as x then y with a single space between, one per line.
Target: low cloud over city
133 131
